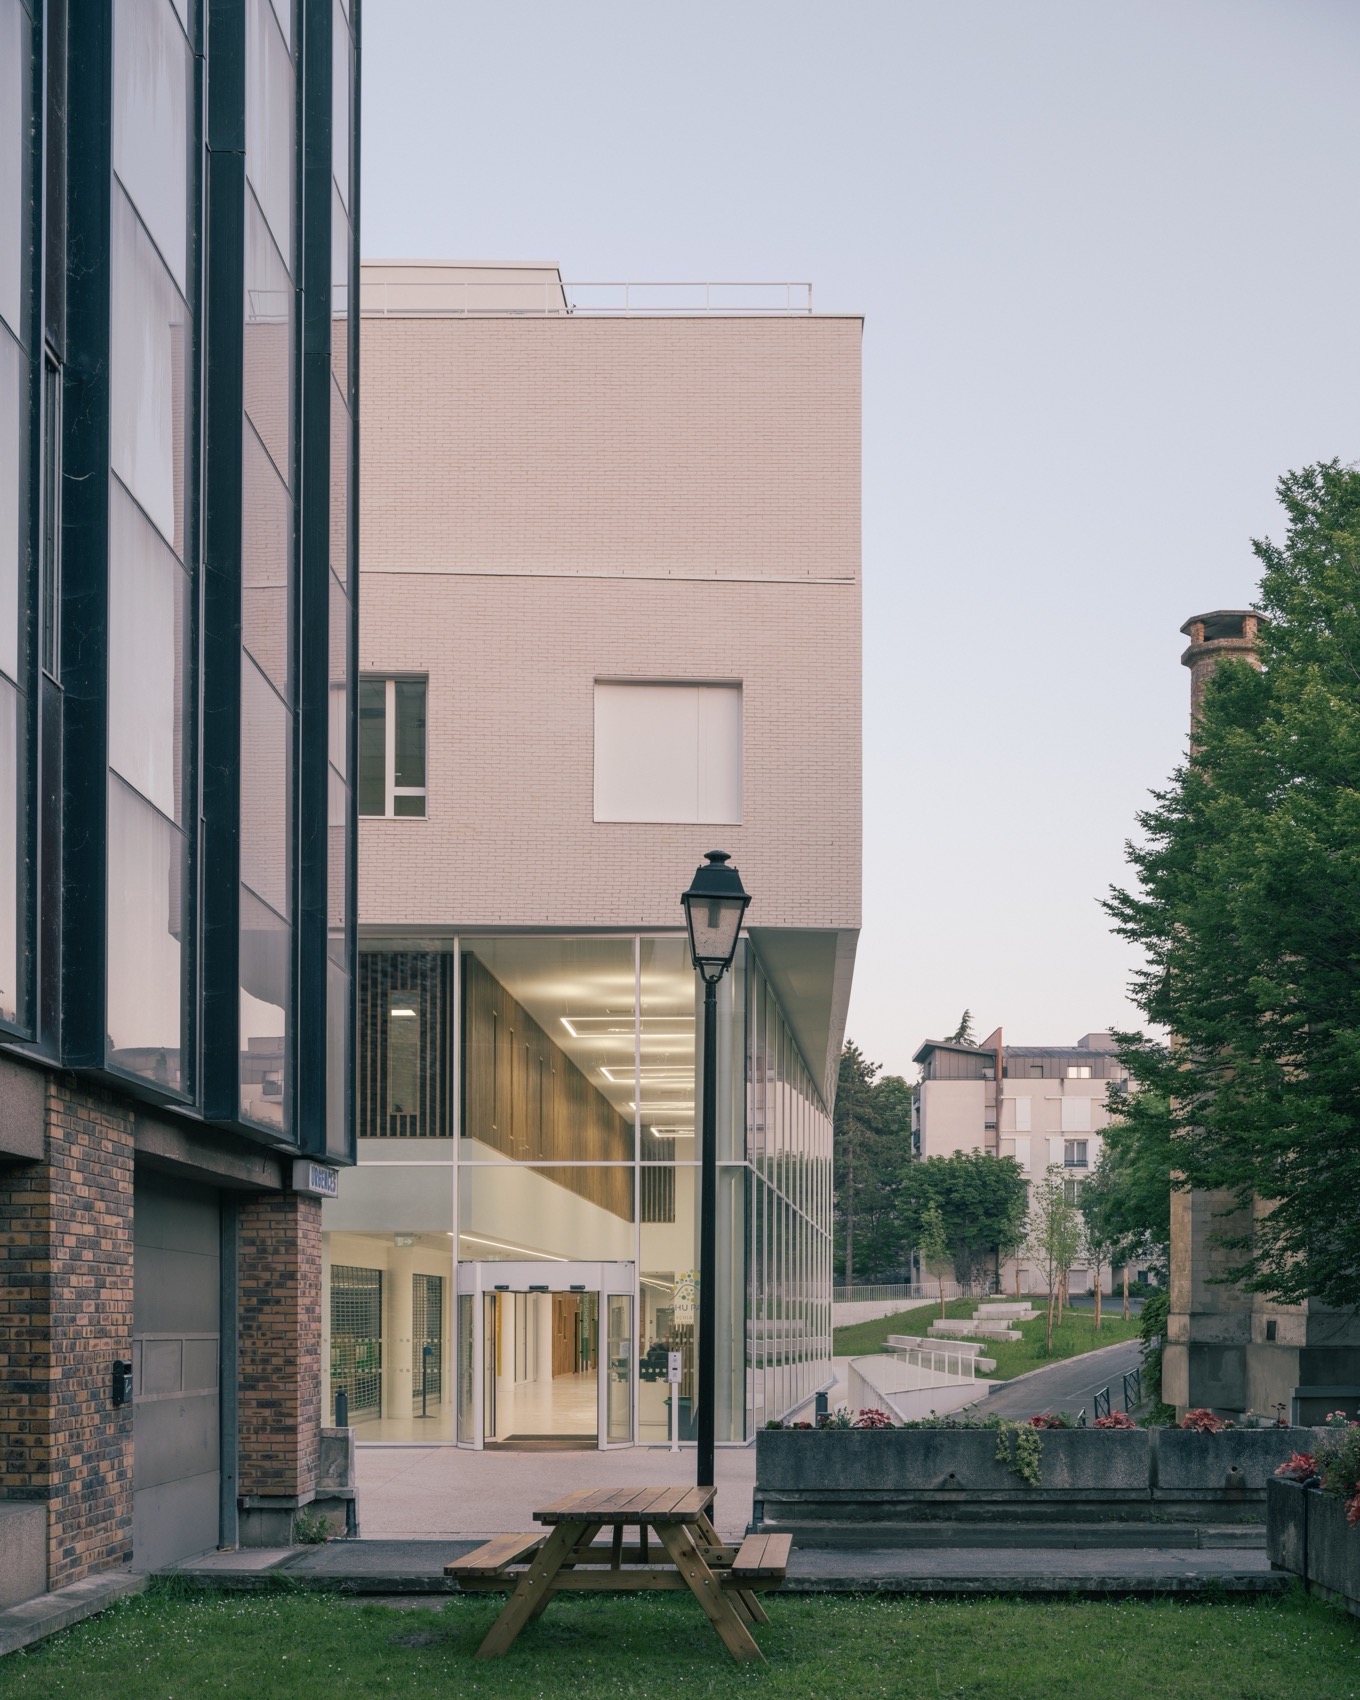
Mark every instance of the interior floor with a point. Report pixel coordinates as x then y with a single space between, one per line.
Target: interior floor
561 1407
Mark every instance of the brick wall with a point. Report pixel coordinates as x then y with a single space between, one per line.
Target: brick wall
279 1264
65 1313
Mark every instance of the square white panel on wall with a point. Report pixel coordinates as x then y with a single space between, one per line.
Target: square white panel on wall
1076 1115
668 753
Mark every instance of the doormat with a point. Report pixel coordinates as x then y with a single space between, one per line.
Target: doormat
544 1443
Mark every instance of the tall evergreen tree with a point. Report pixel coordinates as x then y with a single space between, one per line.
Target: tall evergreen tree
872 1144
1246 902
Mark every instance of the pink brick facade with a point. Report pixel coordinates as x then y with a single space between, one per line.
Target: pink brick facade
548 502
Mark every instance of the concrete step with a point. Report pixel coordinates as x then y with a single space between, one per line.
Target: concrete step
979 1330
1086 1537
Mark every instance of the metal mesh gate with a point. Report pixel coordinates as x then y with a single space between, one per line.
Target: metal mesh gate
427 1340
356 1338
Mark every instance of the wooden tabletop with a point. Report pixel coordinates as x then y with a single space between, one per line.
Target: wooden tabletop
630 1505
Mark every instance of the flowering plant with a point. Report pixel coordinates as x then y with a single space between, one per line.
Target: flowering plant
1338 1419
1051 1419
1116 1419
873 1418
1301 1467
1203 1421
1338 1457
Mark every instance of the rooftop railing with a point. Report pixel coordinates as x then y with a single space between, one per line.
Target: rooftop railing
551 298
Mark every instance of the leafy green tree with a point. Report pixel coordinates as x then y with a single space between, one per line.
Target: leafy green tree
933 1246
871 1146
1246 903
981 1200
1054 1238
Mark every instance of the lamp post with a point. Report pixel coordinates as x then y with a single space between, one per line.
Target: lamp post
714 906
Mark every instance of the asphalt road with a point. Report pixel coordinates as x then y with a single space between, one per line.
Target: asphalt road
1066 1386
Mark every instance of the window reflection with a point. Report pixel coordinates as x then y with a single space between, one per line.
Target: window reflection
11 992
266 561
15 166
341 246
270 160
148 415
266 801
340 102
340 485
145 932
266 944
338 728
151 102
13 493
268 349
146 656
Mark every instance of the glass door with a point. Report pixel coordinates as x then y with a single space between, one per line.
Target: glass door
616 1372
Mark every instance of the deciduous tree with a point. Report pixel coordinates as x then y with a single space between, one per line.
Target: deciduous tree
981 1200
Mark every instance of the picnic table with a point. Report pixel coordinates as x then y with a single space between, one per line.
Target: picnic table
676 1547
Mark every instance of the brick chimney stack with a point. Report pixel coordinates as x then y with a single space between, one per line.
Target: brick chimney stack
1213 637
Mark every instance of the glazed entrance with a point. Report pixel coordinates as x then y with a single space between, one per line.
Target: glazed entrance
545 1364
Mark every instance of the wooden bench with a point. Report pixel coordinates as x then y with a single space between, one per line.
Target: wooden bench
761 1559
490 1561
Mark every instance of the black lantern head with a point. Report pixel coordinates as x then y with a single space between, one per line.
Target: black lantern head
714 906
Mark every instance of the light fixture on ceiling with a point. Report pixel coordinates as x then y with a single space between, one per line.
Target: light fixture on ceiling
647 1075
503 1245
401 1012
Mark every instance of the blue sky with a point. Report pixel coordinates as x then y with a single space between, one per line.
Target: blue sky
1107 253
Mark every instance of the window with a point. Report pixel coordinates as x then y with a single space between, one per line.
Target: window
1074 1154
50 612
1022 1114
668 752
1079 1072
392 747
1071 1191
1076 1115
1036 1071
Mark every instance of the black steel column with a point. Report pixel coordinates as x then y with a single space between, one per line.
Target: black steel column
708 1241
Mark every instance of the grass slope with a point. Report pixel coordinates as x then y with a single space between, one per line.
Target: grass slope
1074 1335
319 1647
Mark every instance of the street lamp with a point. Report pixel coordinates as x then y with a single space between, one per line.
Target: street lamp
714 906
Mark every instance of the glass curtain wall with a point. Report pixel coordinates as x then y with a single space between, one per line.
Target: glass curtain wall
340 780
530 1101
268 568
18 351
151 404
789 1146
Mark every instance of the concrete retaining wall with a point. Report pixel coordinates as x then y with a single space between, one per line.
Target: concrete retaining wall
874 1479
1308 1535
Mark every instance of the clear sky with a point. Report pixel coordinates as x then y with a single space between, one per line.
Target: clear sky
1108 253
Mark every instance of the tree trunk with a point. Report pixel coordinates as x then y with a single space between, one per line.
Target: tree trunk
1126 1292
1048 1327
1099 1284
943 1310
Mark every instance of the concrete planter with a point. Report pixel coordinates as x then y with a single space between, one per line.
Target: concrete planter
861 1485
1308 1535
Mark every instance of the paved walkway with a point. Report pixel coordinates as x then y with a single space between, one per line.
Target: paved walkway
447 1493
1065 1386
407 1568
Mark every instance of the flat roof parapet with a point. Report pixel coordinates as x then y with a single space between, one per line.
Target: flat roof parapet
431 289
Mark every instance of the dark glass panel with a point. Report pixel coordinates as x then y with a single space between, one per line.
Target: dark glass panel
145 931
271 163
341 245
266 736
13 495
339 680
409 807
340 102
268 353
149 375
49 654
340 485
337 811
147 597
266 1034
152 70
372 746
266 562
16 161
338 1046
11 992
410 742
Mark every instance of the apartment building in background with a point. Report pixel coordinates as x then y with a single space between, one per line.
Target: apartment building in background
177 631
611 621
1043 1105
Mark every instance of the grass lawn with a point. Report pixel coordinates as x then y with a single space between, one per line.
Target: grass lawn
286 1646
1075 1334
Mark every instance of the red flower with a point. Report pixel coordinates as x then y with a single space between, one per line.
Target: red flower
1300 1467
1116 1419
1203 1421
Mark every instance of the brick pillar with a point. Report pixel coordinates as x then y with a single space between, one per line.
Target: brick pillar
65 1315
279 1362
